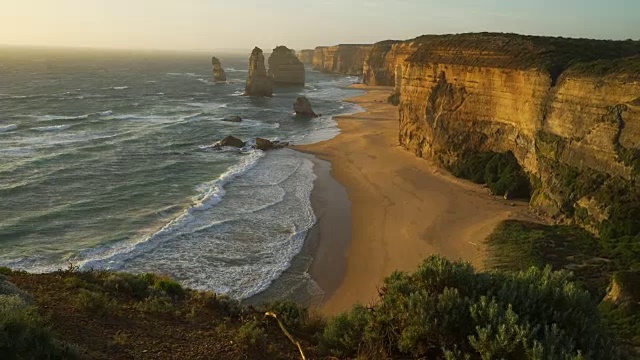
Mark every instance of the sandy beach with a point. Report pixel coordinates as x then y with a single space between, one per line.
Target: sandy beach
403 208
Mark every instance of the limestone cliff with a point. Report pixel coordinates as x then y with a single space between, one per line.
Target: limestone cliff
347 59
285 68
575 129
218 71
258 82
306 56
318 57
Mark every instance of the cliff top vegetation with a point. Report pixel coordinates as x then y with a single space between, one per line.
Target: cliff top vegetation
552 54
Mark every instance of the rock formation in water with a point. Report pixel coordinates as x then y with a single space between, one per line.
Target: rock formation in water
218 71
258 82
285 68
345 59
302 107
306 56
230 141
232 118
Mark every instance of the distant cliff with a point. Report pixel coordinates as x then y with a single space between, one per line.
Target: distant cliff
285 68
306 56
347 59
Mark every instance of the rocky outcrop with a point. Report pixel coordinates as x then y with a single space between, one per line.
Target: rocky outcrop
230 141
258 82
574 129
306 56
264 144
302 107
218 71
232 118
345 59
285 68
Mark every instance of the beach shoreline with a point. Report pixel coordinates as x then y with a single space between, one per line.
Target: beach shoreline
402 208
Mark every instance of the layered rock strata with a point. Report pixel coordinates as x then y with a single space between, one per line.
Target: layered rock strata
345 59
574 129
285 68
218 71
306 56
258 82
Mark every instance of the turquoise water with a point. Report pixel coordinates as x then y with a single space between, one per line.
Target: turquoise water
106 162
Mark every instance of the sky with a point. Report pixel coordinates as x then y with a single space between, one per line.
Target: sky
241 24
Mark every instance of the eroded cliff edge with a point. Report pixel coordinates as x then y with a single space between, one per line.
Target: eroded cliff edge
572 123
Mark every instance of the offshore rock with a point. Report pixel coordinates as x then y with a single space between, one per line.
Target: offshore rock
230 141
285 68
218 71
302 107
232 118
258 82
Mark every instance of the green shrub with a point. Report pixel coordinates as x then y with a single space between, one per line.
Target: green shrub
169 287
344 334
96 303
394 99
156 305
291 314
500 171
23 334
5 271
446 308
133 285
251 336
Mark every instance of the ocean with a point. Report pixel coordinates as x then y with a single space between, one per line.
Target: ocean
106 162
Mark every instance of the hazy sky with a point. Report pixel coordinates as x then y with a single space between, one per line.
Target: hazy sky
241 24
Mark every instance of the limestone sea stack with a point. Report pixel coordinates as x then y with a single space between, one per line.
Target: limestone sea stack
258 82
218 71
302 107
285 68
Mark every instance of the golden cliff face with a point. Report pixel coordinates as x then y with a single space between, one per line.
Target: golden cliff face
318 57
306 56
459 101
341 59
384 60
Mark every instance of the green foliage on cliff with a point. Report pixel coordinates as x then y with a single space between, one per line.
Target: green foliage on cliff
552 54
448 310
629 66
500 171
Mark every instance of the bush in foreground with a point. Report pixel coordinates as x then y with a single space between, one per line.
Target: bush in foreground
447 310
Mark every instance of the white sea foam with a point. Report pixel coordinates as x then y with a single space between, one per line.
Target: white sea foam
211 193
7 128
120 87
61 117
106 113
53 128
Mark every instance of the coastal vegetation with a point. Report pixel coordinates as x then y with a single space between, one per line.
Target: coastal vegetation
606 267
499 171
444 310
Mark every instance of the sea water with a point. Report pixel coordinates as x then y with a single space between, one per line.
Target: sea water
106 162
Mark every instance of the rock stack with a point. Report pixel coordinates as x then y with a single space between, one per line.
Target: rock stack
285 68
258 82
218 72
302 107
